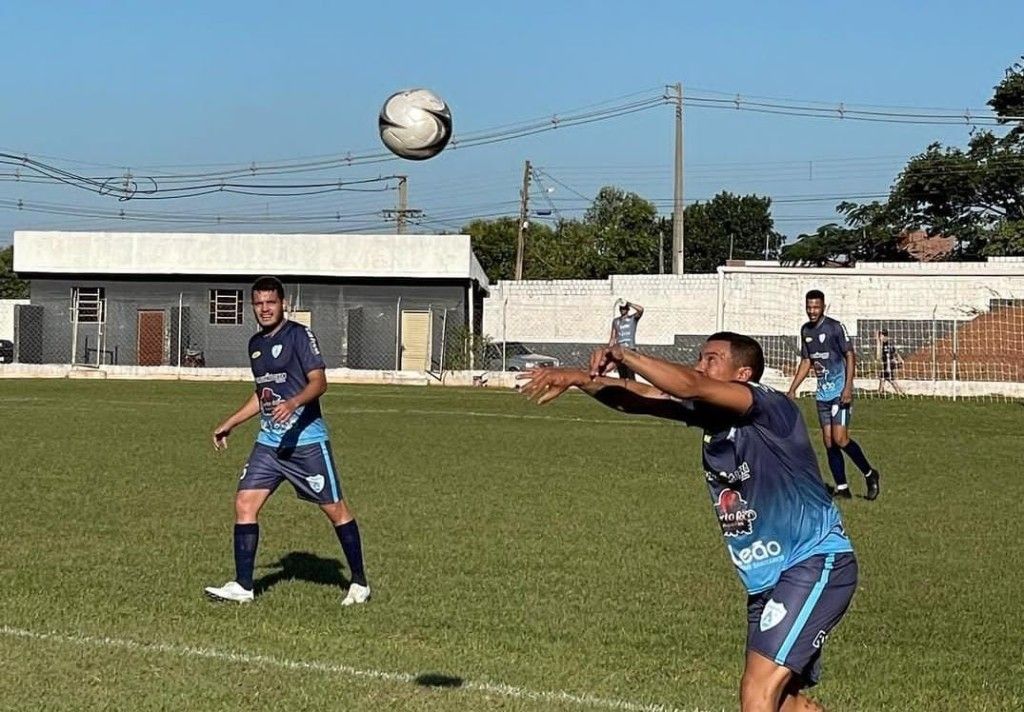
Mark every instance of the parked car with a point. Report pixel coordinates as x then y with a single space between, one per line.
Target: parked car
6 351
518 357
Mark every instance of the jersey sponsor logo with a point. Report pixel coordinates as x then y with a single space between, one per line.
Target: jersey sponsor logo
821 354
757 554
819 640
740 474
256 354
735 517
316 483
268 401
275 351
771 615
272 378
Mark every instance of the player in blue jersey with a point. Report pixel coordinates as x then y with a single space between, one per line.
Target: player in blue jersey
782 531
292 444
624 331
825 346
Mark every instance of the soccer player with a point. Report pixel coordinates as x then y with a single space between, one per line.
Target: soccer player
825 345
782 531
624 332
889 359
292 444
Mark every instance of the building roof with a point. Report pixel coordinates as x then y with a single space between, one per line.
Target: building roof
160 254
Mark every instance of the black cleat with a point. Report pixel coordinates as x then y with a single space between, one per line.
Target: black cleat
843 493
872 483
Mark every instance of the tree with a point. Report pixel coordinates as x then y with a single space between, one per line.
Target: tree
868 234
494 243
625 233
10 286
728 225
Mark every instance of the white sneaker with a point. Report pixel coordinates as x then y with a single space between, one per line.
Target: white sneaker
356 594
231 591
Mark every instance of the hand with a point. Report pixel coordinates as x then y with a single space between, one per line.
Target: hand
846 398
220 436
282 412
791 394
605 359
545 384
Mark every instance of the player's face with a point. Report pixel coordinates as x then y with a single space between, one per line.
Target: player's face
815 309
716 363
268 308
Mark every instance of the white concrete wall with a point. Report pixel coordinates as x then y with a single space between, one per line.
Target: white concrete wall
7 317
416 256
761 300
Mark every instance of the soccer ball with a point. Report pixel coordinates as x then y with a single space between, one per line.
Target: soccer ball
415 124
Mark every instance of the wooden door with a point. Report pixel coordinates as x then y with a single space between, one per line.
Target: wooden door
151 337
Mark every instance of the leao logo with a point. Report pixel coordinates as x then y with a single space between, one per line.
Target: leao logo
757 554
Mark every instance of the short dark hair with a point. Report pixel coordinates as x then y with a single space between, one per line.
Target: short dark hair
883 332
815 294
744 350
269 284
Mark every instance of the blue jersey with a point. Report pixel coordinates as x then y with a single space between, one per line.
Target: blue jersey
826 345
625 330
280 363
766 489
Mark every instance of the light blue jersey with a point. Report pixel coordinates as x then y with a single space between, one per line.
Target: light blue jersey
826 344
625 330
771 503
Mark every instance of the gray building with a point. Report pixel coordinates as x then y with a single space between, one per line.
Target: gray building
149 299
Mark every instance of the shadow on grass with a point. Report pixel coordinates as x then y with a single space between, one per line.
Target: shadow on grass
302 566
436 679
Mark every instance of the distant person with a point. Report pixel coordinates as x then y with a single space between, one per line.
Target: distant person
889 359
292 444
624 332
825 345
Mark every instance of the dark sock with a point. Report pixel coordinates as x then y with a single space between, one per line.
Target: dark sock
857 455
837 465
247 538
348 535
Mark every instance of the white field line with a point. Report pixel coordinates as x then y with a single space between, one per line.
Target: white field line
399 678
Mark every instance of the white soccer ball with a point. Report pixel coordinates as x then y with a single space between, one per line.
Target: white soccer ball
415 124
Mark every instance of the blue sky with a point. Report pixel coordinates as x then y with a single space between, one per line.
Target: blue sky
96 88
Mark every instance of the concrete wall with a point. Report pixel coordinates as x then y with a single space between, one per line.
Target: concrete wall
7 317
334 308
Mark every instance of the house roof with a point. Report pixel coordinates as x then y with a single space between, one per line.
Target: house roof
228 254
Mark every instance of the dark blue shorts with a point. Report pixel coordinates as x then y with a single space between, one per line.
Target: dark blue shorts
790 623
309 468
832 412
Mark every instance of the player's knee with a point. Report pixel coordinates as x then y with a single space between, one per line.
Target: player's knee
757 693
247 508
826 438
841 439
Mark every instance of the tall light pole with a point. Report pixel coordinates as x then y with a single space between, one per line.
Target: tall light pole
678 248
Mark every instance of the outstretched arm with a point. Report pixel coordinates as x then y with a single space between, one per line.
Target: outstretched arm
625 396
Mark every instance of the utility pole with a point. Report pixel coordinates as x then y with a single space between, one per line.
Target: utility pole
524 208
402 212
678 250
661 252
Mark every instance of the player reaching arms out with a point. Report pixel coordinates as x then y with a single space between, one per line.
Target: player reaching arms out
781 529
292 443
825 346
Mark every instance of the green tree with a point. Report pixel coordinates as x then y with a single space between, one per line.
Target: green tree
494 243
740 226
625 233
10 286
868 233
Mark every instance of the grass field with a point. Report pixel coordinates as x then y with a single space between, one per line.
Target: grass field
563 558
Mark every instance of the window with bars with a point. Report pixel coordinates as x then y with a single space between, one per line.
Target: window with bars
88 305
225 306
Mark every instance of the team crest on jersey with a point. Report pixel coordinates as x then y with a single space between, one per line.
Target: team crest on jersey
276 350
735 517
771 615
821 338
316 483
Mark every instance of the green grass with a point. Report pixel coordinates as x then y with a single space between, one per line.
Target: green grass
566 549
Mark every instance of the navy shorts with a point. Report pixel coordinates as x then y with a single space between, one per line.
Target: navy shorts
790 623
832 412
309 468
